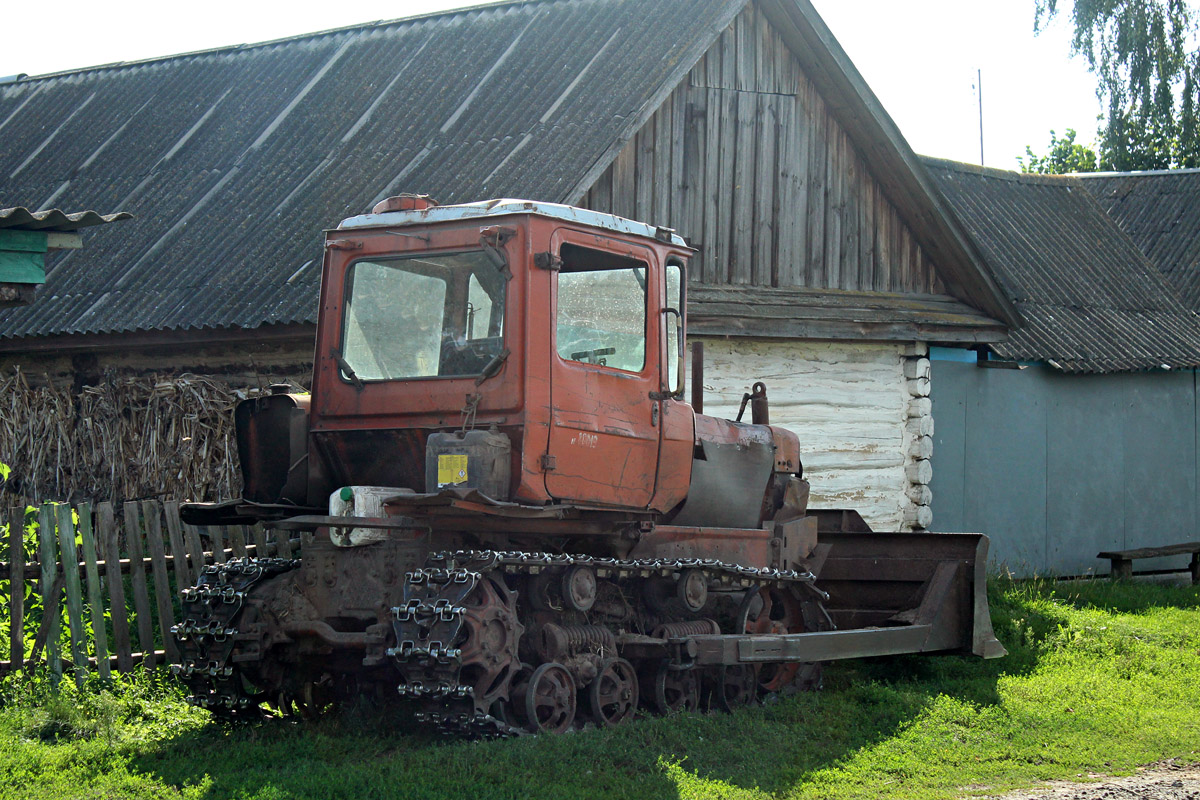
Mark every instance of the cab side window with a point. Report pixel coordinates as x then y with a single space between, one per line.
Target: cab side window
601 309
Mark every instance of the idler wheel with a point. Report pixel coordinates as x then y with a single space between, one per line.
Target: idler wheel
613 695
579 587
736 686
676 689
777 611
549 699
692 590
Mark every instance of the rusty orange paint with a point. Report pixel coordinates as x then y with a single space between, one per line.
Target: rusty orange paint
582 433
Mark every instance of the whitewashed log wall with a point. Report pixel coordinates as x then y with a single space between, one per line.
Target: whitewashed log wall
864 437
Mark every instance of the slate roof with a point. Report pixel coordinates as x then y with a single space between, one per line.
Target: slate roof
1091 300
1160 211
222 156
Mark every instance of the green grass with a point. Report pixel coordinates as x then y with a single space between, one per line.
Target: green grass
1100 677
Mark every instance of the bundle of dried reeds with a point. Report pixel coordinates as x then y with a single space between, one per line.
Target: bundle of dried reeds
125 438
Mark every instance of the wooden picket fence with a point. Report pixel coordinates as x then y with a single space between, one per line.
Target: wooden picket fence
113 581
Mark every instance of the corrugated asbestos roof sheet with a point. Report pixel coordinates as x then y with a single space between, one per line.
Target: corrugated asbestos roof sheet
55 220
233 161
1090 299
1160 211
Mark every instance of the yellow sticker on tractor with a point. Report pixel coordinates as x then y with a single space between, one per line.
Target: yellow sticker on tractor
451 470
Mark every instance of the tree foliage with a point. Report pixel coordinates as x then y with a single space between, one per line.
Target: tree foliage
1064 156
1145 56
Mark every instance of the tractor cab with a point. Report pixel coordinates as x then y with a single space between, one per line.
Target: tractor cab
552 334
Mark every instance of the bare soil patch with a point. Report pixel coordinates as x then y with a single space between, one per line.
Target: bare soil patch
1164 781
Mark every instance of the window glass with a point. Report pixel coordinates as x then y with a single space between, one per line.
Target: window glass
601 309
422 317
673 323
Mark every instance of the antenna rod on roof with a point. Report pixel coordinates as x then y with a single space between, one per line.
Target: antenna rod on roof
979 91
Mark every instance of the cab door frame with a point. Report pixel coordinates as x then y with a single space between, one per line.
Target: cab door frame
603 443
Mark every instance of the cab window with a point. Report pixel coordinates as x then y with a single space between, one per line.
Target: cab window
428 316
601 305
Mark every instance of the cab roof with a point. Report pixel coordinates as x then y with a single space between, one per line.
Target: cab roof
508 207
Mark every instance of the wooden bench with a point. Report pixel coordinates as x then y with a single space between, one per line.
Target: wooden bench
1122 560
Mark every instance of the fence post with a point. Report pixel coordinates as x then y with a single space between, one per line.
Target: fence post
218 544
137 580
260 540
183 573
116 587
16 566
196 551
99 633
237 540
70 567
283 544
162 583
50 621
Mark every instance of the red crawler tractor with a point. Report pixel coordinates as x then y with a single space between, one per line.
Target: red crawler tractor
517 522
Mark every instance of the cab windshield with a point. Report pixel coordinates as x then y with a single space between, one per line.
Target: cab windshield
427 316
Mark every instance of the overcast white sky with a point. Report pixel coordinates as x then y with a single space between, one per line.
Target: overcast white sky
919 56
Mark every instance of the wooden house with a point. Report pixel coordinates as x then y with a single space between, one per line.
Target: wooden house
827 265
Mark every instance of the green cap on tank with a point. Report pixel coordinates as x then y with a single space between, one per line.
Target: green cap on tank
347 494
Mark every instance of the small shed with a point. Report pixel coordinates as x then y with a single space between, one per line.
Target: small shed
25 239
1079 433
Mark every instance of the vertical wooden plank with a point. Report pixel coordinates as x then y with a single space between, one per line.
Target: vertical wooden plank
866 233
600 196
183 572
662 184
766 166
833 209
741 248
92 572
644 172
151 511
260 541
851 181
70 565
883 243
137 582
818 193
237 540
283 542
803 144
624 199
694 150
47 556
677 187
725 254
116 586
660 180
711 193
764 55
16 565
744 30
787 69
195 550
218 543
787 194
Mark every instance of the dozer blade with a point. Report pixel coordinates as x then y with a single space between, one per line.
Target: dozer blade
936 581
889 593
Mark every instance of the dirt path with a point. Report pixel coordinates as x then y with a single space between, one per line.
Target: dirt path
1165 781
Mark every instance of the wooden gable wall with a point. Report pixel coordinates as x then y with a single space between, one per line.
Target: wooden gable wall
746 162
